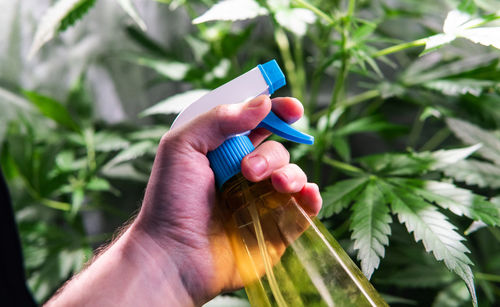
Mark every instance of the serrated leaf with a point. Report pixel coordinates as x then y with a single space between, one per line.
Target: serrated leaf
338 196
471 134
461 24
485 36
370 225
129 7
53 110
174 104
172 70
443 157
461 201
432 228
474 172
232 10
57 18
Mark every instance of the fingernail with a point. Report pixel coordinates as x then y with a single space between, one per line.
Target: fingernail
258 165
256 103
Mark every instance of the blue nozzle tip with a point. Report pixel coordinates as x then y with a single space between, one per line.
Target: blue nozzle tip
273 75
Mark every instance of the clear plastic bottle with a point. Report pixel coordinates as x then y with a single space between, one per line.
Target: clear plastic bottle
283 256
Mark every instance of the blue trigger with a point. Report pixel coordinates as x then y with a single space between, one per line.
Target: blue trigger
277 126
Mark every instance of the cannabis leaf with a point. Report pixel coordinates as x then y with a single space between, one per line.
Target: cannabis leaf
232 10
461 24
129 8
472 134
174 104
460 201
432 228
474 172
53 110
370 227
338 196
57 19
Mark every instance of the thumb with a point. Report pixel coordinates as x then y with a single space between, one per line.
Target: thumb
211 129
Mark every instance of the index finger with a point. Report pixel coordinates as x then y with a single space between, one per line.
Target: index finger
288 109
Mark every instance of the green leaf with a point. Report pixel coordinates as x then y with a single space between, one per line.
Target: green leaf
485 36
295 20
129 7
456 87
461 24
338 196
471 134
174 104
341 146
134 151
398 164
106 141
432 228
77 199
460 201
98 184
445 157
53 110
370 227
172 70
368 124
474 172
57 19
232 10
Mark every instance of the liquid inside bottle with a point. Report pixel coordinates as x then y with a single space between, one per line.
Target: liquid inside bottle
284 257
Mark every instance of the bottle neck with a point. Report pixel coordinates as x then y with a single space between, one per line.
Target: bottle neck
225 160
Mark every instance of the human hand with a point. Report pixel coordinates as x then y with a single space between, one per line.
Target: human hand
178 210
176 252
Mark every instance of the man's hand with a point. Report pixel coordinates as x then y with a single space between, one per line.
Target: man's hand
176 252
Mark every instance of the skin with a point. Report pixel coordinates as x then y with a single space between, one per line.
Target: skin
176 252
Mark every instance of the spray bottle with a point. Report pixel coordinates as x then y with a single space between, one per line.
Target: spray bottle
284 257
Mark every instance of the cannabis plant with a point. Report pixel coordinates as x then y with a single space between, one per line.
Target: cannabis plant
403 100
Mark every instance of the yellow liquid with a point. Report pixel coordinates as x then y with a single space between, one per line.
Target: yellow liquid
284 257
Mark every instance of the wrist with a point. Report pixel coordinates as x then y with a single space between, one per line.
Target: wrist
159 271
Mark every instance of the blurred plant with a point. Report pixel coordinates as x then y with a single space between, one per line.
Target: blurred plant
367 88
58 161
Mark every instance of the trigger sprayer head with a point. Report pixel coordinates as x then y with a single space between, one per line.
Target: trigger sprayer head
226 159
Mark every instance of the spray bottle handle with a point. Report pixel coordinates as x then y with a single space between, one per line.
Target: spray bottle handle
277 126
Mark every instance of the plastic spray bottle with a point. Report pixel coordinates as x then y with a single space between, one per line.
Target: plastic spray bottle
283 256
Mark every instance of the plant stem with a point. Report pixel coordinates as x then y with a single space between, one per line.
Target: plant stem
316 11
301 74
351 101
415 131
342 166
400 47
339 85
436 139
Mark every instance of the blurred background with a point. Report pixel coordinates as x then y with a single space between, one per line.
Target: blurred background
396 92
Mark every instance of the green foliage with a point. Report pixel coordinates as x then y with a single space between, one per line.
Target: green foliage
58 18
375 77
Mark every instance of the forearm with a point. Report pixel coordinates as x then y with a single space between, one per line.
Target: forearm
132 272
